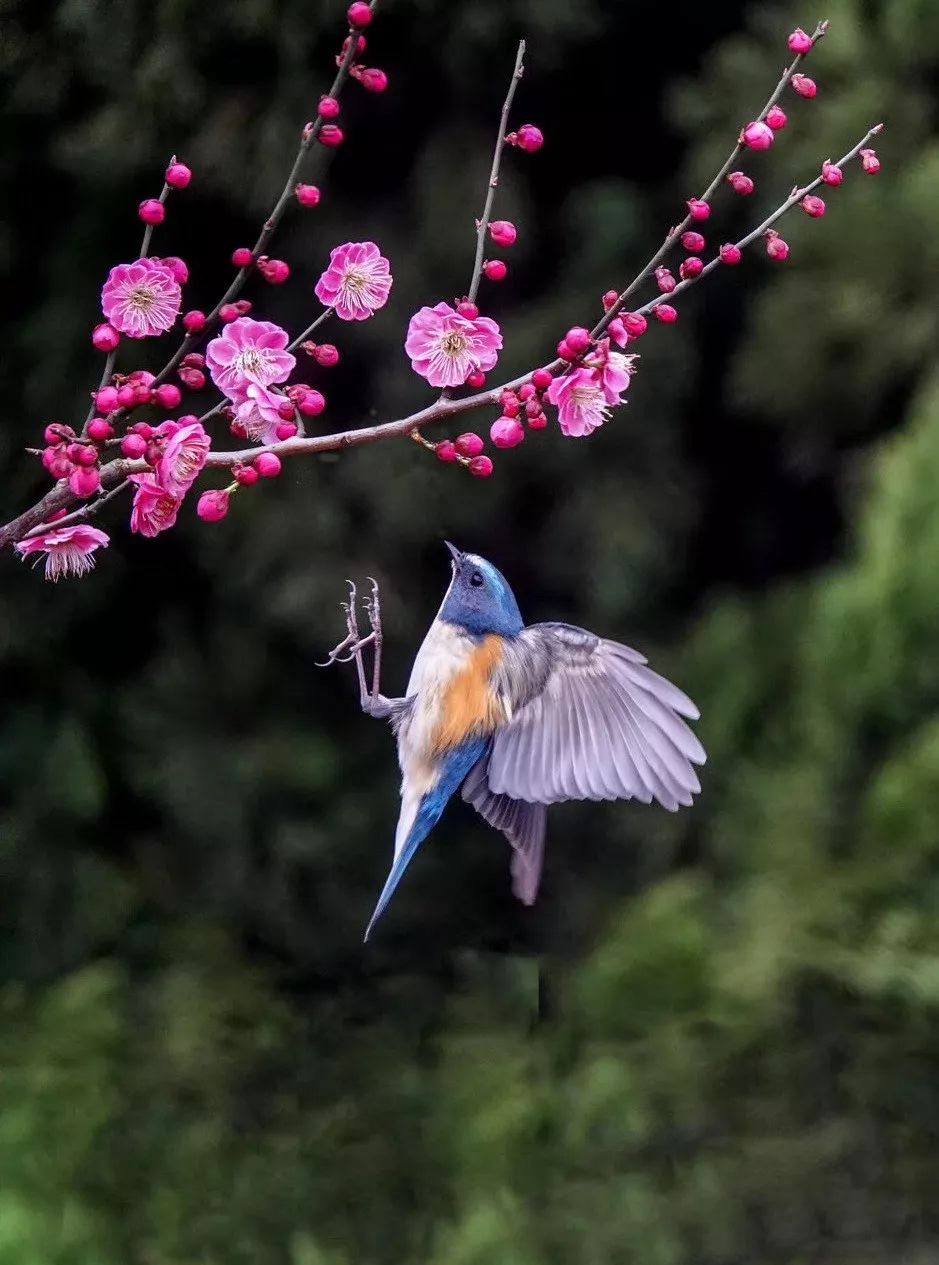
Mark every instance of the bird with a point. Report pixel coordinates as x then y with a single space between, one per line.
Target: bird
518 717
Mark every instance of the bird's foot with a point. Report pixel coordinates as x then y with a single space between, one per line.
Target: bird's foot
350 649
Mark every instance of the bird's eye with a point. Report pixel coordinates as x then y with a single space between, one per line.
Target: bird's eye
476 579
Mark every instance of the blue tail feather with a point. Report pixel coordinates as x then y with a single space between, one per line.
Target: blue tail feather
454 767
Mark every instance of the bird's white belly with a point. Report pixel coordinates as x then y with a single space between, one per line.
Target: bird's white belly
443 653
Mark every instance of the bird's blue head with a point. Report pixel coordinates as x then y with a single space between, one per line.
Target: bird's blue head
479 598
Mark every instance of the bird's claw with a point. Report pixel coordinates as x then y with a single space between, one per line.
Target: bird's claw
352 644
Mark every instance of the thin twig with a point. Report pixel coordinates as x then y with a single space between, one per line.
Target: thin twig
88 510
301 338
273 220
675 233
482 224
796 196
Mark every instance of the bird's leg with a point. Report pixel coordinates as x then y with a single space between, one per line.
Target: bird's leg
375 703
350 649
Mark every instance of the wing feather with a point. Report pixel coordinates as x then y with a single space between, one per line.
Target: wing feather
590 720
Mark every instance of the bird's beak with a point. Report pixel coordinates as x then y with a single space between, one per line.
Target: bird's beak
454 553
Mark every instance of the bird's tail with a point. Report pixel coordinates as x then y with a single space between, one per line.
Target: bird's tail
454 768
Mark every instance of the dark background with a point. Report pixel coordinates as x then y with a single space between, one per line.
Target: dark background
715 1038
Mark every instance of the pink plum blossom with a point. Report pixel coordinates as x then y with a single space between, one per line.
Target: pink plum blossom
184 452
259 413
614 372
154 509
141 299
68 550
356 283
445 348
248 351
581 402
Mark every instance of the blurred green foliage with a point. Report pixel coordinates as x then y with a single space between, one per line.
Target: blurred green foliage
716 1038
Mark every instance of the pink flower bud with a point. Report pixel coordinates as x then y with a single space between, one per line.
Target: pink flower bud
228 313
311 403
359 14
84 481
267 465
870 162
776 248
178 175
636 324
691 267
776 118
167 396
247 476
328 108
330 135
537 421
831 173
730 253
243 307
799 42
194 322
326 355
481 467
577 339
127 395
286 409
360 46
106 399
529 138
665 313
564 351
178 267
698 209
664 280
307 194
445 451
496 269
526 393
285 430
610 299
194 360
541 379
60 467
105 337
693 242
503 232
757 136
242 257
740 183
506 432
194 379
467 309
813 206
152 211
55 432
213 506
469 444
144 429
476 381
804 86
372 79
99 430
86 455
274 271
133 446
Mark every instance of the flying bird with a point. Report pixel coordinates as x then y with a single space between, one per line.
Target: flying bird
519 716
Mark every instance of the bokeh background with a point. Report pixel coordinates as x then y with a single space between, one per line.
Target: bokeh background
716 1038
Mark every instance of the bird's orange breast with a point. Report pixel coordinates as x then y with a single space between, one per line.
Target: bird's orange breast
470 707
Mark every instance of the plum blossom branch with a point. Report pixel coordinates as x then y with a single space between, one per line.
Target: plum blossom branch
482 224
310 134
251 361
704 200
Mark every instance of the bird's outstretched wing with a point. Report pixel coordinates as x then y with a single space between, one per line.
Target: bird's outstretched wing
522 824
588 720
